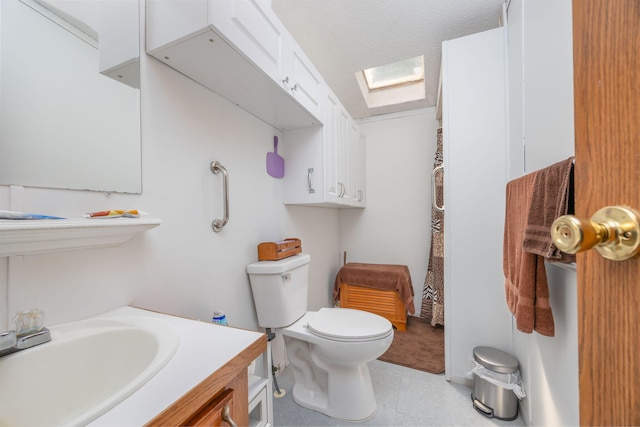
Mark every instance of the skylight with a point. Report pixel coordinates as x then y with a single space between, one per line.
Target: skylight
392 84
402 72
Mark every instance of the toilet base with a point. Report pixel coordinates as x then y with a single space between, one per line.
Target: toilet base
354 403
314 406
338 391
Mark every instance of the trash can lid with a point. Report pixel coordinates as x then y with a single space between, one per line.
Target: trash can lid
495 360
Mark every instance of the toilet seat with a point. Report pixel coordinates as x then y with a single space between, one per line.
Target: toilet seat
345 324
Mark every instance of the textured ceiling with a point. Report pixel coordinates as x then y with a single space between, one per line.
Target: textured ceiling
341 37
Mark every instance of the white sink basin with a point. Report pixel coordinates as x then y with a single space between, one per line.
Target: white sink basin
86 369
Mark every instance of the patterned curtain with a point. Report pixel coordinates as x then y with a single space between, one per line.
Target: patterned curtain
433 291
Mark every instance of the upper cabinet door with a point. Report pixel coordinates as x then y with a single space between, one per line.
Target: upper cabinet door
361 172
343 142
302 79
253 27
330 147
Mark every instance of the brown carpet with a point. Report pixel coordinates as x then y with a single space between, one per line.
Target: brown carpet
420 347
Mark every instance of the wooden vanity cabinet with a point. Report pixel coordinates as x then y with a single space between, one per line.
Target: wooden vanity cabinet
203 404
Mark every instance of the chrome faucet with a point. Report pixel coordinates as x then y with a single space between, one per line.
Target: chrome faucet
28 333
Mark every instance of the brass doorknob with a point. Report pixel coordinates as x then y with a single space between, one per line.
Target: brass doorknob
613 231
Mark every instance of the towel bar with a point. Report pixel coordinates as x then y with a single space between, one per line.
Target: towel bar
217 224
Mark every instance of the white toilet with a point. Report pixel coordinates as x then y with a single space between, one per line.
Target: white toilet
328 349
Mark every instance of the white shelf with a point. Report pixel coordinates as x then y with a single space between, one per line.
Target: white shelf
258 404
256 384
25 237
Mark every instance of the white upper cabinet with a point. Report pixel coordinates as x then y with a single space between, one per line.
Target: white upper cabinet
253 27
325 167
240 50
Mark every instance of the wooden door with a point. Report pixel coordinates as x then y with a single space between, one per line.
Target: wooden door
607 172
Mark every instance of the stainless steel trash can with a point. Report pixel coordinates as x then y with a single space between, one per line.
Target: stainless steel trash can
489 399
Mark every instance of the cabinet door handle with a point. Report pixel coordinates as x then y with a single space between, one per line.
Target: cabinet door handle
217 224
309 172
286 80
294 88
343 190
226 416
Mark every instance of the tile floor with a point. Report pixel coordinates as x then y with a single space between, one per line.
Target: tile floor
406 397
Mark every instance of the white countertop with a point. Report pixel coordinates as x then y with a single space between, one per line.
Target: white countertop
203 349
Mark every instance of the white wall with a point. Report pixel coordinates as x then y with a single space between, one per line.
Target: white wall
541 133
181 267
395 226
475 125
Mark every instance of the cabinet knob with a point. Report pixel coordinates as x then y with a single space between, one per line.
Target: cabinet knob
286 80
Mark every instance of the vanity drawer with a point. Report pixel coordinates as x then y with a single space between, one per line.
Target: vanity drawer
213 413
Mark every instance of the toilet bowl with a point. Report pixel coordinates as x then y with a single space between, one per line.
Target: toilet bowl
330 369
329 349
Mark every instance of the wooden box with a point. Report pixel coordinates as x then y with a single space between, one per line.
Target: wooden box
381 302
273 251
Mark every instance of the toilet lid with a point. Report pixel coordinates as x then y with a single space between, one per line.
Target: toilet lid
345 324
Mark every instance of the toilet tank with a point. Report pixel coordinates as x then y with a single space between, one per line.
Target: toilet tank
280 289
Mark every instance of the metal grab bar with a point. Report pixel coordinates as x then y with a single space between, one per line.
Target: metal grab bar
217 224
433 187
